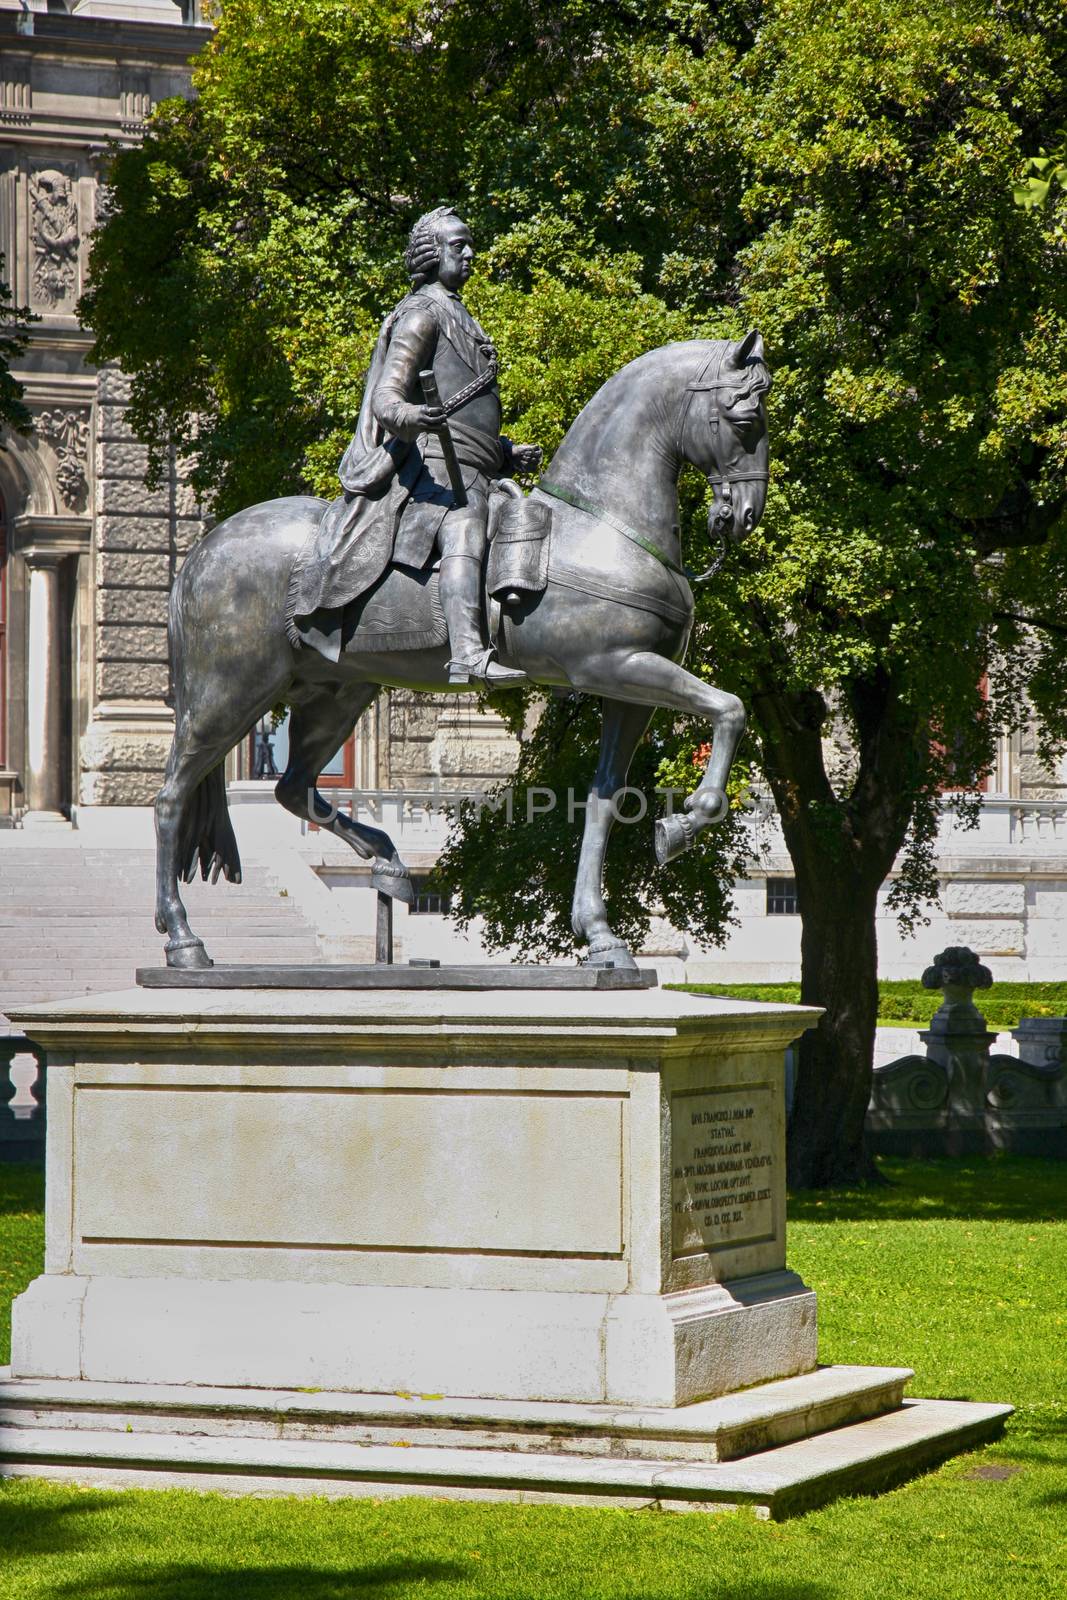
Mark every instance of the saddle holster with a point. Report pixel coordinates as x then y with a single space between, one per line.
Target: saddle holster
518 531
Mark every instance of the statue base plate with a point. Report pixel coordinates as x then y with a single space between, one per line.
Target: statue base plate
383 975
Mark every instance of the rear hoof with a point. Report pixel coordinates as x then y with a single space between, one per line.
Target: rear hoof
610 953
674 836
187 953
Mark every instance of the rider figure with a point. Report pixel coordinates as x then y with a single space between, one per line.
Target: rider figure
398 504
434 329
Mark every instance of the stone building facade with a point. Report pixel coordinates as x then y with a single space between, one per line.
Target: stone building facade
88 553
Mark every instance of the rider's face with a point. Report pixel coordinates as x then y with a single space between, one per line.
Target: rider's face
457 254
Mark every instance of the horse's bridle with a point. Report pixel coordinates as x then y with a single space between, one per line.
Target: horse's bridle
722 514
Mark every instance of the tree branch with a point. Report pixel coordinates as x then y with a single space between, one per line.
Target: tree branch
1031 622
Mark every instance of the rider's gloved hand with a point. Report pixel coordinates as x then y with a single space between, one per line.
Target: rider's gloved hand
525 457
431 419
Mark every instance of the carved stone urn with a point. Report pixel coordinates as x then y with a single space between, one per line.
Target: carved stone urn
957 972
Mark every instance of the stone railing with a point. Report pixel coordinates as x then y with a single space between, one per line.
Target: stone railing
22 1099
963 1098
1038 821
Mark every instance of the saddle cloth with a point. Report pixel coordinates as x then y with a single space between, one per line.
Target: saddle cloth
401 611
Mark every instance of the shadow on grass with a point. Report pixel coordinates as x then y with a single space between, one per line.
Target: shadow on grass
386 1579
31 1529
263 1583
21 1188
976 1188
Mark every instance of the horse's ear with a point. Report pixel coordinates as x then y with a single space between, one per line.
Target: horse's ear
750 349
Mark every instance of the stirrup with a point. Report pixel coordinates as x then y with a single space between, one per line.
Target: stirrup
486 669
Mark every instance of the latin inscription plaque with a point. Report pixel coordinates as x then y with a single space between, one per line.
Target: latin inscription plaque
722 1163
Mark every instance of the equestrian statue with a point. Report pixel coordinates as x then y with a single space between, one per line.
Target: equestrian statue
434 571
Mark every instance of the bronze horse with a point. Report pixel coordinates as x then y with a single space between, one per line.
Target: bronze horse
613 620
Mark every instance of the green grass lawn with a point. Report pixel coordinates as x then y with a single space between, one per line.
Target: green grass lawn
958 1270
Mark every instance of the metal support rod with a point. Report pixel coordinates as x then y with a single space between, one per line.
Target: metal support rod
383 938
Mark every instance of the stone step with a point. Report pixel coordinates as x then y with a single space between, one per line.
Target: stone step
111 900
712 1430
858 1458
76 920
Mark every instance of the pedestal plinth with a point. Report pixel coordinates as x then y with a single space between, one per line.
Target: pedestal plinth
536 1238
525 1196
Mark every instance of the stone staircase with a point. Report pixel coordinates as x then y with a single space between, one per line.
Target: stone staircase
77 919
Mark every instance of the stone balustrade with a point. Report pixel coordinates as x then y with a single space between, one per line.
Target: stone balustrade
22 1107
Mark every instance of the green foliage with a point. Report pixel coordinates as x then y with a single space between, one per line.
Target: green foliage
21 1239
905 1000
640 173
840 177
988 1326
14 332
1042 175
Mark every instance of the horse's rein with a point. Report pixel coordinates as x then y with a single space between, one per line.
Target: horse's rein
723 513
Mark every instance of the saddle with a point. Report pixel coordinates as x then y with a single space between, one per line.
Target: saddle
402 609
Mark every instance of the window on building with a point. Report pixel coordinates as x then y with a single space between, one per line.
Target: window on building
268 755
782 897
427 902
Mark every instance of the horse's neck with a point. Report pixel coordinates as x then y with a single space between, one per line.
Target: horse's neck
619 454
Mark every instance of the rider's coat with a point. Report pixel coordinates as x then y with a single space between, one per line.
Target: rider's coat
395 484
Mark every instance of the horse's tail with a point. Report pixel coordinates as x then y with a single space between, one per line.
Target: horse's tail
205 832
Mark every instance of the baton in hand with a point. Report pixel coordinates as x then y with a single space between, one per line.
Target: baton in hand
448 450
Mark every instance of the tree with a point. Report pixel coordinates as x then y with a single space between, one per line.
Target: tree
14 333
840 177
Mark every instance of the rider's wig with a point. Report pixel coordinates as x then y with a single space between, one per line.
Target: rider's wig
423 254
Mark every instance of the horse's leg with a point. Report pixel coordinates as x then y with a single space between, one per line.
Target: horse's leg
642 677
188 765
220 689
620 735
320 723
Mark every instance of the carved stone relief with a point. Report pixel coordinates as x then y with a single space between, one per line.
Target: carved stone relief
68 434
103 203
55 236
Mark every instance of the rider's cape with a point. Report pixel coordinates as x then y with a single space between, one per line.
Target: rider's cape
353 544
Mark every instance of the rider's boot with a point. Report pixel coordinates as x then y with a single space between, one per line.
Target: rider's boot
472 661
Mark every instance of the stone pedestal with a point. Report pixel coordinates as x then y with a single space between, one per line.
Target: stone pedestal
537 1239
544 1196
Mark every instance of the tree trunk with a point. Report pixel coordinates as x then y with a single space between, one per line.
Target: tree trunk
839 971
842 850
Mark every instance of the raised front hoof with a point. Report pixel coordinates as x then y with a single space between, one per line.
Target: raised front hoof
392 878
187 953
610 953
674 836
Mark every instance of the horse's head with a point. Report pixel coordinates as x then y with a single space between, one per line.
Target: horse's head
724 432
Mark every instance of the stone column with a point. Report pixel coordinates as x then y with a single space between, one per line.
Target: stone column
44 685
